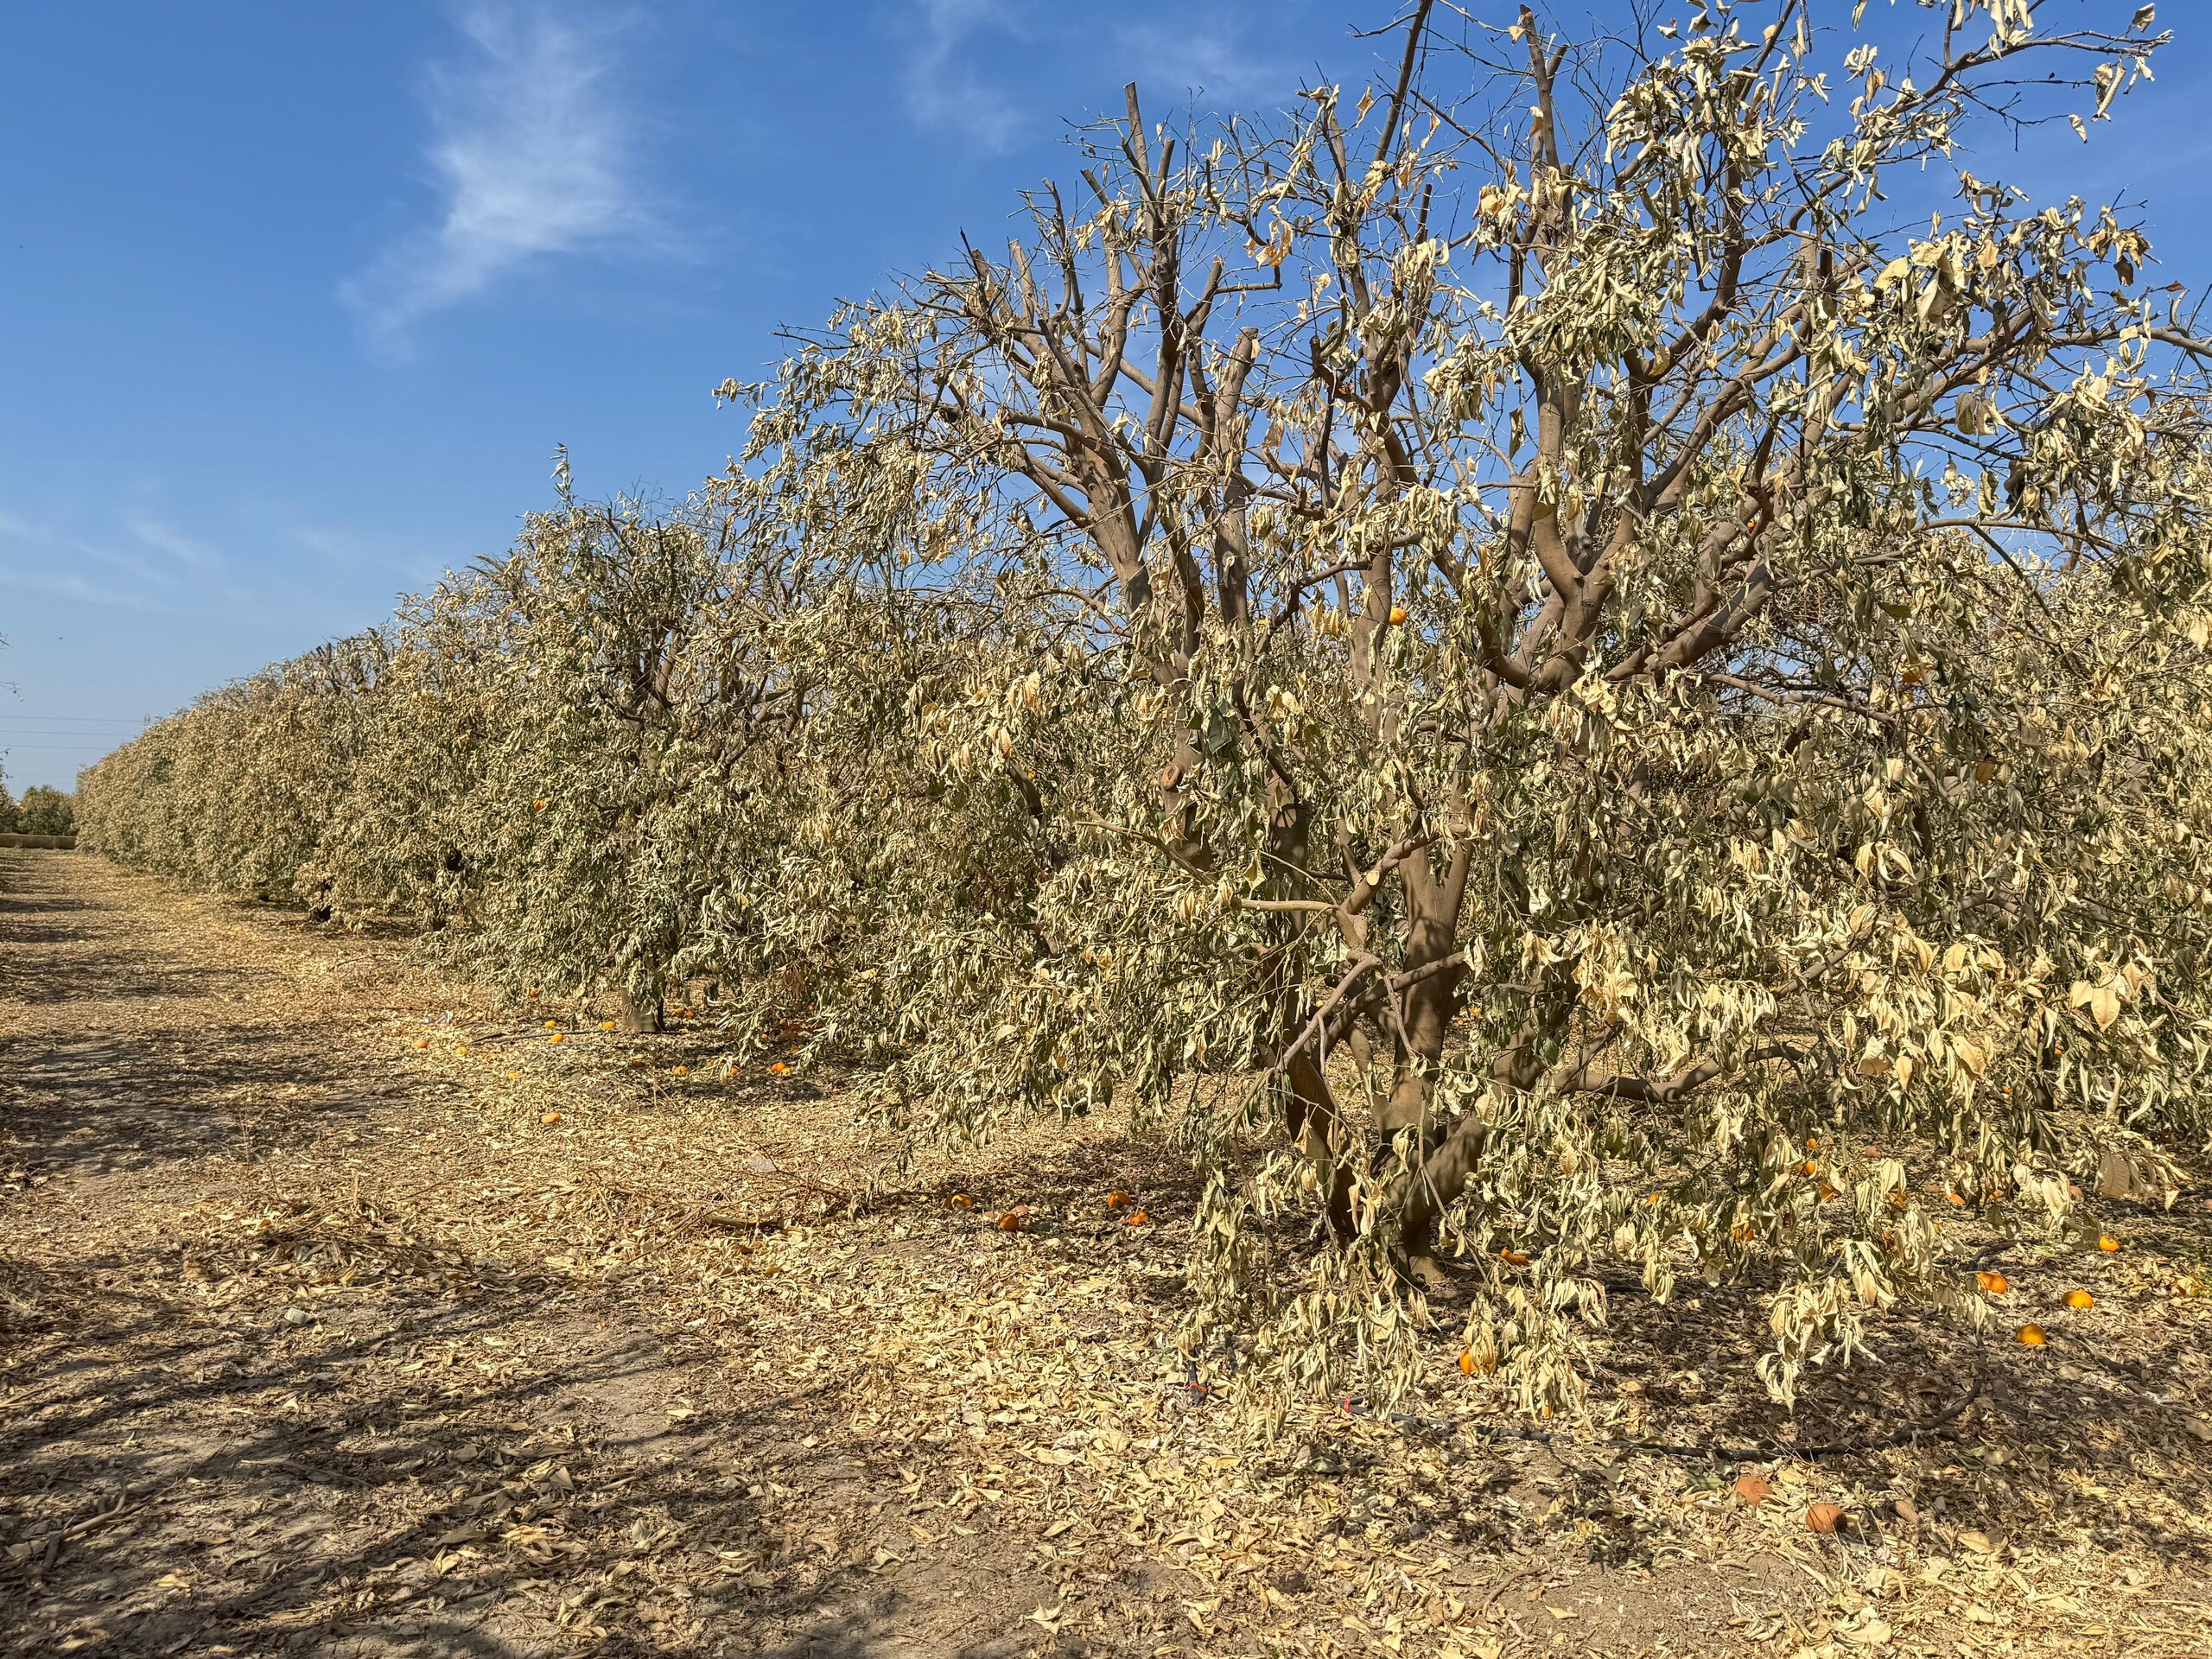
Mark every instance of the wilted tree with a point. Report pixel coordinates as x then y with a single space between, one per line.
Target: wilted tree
1575 600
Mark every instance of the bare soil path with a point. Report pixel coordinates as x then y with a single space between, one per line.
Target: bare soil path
342 1311
256 1396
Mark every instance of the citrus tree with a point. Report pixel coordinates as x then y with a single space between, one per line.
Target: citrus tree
1610 689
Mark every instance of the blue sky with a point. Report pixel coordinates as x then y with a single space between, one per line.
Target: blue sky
298 299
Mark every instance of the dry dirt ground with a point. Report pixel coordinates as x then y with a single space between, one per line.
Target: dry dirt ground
343 1311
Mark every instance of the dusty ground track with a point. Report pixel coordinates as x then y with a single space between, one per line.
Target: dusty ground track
342 1312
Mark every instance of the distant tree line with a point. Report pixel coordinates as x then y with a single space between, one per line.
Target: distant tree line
41 812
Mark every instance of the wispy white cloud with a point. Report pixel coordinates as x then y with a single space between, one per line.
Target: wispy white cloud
1201 53
942 89
135 568
534 154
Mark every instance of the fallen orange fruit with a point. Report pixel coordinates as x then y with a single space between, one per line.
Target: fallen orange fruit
1116 1199
2031 1334
1992 1283
961 1201
1825 1517
606 1025
1513 1258
2106 1242
554 1037
421 1042
550 1118
1009 1223
1754 1489
680 1072
1139 1219
2079 1299
779 1068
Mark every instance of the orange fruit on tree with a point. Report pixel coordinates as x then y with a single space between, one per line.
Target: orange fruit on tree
1397 614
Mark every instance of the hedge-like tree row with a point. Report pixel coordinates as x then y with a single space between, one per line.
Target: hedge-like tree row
1546 678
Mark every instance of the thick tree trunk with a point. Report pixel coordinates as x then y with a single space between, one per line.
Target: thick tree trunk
1418 1027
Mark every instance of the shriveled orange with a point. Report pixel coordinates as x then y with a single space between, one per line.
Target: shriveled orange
1825 1517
